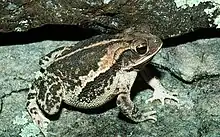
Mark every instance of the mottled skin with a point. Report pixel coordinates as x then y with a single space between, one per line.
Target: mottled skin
91 73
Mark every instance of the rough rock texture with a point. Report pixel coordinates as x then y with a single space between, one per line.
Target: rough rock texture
191 70
197 60
18 64
166 18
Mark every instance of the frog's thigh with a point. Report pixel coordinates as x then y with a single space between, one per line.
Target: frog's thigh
50 97
124 102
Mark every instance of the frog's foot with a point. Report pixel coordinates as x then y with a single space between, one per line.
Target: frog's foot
35 112
128 108
38 117
160 93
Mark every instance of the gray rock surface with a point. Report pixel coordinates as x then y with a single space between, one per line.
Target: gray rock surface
166 18
191 70
192 61
20 62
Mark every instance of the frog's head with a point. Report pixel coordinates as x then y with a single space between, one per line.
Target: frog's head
142 48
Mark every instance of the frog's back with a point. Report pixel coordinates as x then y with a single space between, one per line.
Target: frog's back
86 83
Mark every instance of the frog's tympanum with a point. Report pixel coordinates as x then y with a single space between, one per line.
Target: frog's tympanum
92 72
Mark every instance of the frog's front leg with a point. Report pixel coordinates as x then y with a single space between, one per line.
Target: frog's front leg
125 104
159 93
128 109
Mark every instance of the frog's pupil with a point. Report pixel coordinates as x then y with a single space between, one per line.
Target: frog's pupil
141 50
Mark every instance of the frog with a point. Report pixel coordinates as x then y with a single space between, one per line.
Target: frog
92 72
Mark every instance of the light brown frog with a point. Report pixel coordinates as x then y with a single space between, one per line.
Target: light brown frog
92 72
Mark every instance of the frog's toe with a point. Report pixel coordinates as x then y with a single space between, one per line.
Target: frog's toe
42 121
161 95
150 115
38 117
143 116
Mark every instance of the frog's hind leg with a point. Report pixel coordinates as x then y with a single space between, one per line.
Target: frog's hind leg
50 94
159 93
34 110
45 95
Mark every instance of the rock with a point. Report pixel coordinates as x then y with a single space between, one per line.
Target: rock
196 114
193 60
20 62
165 18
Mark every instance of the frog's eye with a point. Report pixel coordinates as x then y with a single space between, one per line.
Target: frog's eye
142 49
